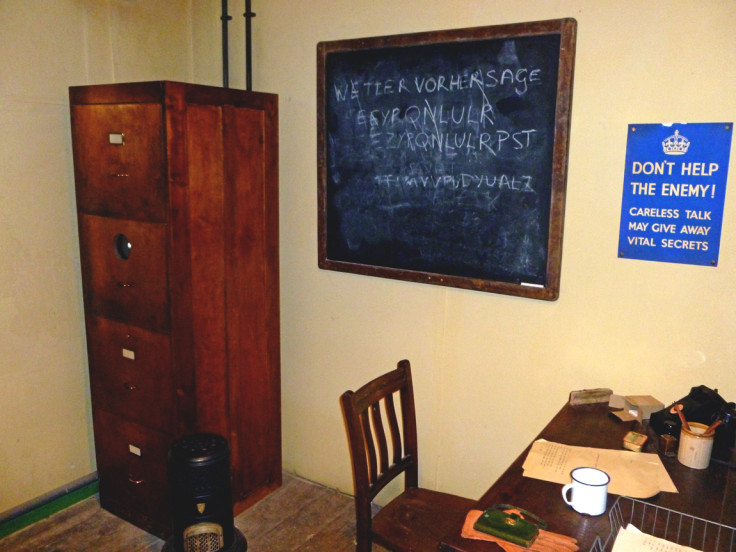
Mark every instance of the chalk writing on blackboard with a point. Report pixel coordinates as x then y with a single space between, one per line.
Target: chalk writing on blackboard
437 156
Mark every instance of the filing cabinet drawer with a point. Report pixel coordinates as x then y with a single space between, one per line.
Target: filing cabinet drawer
120 160
124 270
131 465
130 372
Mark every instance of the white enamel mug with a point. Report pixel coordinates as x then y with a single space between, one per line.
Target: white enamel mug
589 490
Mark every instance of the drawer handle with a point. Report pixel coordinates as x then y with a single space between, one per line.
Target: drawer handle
135 481
126 284
130 386
119 175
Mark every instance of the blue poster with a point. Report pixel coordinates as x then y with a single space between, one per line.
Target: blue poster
674 192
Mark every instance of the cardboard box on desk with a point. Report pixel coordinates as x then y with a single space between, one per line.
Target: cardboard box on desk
635 407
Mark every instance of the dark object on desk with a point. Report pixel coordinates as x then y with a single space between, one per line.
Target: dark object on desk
668 441
590 396
724 443
700 405
705 406
510 523
668 445
418 518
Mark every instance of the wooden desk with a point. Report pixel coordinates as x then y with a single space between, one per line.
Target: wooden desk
709 494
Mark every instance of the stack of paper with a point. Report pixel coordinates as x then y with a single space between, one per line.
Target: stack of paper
634 474
630 539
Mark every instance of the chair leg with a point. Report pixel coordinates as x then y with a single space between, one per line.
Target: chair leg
363 527
363 545
363 540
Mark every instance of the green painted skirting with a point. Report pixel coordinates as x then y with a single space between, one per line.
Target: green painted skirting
47 509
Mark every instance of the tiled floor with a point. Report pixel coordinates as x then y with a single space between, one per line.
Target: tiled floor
300 516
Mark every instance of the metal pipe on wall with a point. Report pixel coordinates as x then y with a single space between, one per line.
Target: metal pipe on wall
248 16
225 18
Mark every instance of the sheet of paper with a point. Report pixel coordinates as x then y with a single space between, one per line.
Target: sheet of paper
634 474
630 539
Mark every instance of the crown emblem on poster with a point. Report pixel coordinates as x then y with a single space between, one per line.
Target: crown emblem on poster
675 144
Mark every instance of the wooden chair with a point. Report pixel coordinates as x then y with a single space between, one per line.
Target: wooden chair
417 519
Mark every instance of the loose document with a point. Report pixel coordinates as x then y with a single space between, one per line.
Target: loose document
634 474
630 539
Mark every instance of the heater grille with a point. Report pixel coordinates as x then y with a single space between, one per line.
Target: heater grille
203 537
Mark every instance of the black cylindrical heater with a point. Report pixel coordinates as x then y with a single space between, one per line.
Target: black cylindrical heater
201 500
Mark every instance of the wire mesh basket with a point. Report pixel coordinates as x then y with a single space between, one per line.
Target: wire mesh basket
667 524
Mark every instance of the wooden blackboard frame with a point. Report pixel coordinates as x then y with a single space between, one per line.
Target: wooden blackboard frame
548 288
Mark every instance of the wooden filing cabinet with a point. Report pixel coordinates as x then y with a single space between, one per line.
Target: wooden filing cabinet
177 200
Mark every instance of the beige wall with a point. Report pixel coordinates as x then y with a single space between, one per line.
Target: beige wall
489 369
47 46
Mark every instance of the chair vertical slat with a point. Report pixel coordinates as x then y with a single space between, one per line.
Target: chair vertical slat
370 449
409 419
393 425
380 435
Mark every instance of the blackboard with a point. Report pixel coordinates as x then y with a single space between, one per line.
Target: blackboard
442 156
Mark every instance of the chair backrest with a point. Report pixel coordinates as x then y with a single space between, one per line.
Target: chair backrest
382 440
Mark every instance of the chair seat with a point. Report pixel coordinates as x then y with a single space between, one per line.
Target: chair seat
417 520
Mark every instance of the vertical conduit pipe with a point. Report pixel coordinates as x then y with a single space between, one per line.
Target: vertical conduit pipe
248 16
225 56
